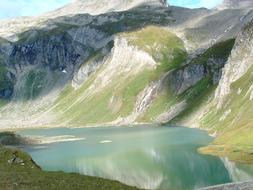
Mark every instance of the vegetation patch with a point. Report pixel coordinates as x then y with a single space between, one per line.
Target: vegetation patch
34 83
5 82
164 46
233 122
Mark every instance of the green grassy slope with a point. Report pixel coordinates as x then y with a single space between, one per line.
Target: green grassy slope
236 129
199 95
4 81
117 99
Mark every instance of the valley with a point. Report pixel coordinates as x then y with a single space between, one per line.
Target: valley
90 65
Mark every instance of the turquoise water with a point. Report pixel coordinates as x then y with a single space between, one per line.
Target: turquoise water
147 157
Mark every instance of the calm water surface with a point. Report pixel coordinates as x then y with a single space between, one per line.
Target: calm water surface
147 157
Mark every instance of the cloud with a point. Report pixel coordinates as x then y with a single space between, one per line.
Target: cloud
15 8
195 3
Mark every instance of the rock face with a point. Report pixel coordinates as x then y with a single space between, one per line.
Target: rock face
239 63
235 4
183 79
63 44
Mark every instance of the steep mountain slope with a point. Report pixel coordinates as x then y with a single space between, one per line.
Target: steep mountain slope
147 64
42 61
226 111
117 89
231 110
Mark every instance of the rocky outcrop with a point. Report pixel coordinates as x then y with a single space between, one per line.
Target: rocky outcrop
183 79
147 96
172 112
125 61
240 61
87 69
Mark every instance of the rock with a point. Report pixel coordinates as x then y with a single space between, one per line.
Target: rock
16 160
238 63
182 79
171 113
232 186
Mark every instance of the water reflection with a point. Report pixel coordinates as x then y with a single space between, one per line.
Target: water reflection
151 158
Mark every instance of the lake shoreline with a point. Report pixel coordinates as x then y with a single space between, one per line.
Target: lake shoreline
14 160
231 153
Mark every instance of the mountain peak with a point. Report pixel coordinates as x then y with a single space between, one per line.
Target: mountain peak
234 4
95 7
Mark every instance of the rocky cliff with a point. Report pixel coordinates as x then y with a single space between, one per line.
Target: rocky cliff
230 112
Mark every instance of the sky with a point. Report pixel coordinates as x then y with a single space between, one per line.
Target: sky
195 3
16 8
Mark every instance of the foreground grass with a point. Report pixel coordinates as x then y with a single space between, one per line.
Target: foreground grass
26 175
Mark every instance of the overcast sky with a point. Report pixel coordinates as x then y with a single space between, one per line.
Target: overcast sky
16 8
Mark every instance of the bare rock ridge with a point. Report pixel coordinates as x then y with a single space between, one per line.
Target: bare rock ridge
95 7
10 27
234 4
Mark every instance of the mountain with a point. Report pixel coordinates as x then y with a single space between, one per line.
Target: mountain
235 4
231 110
10 27
131 62
95 7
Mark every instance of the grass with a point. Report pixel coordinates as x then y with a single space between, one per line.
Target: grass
219 51
159 105
133 20
3 103
34 83
161 44
236 130
239 121
35 34
197 94
4 81
28 176
197 97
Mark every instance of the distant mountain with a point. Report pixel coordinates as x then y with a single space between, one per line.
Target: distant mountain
234 4
9 27
120 62
95 7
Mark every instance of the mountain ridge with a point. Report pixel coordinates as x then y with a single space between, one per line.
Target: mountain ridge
235 4
95 7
